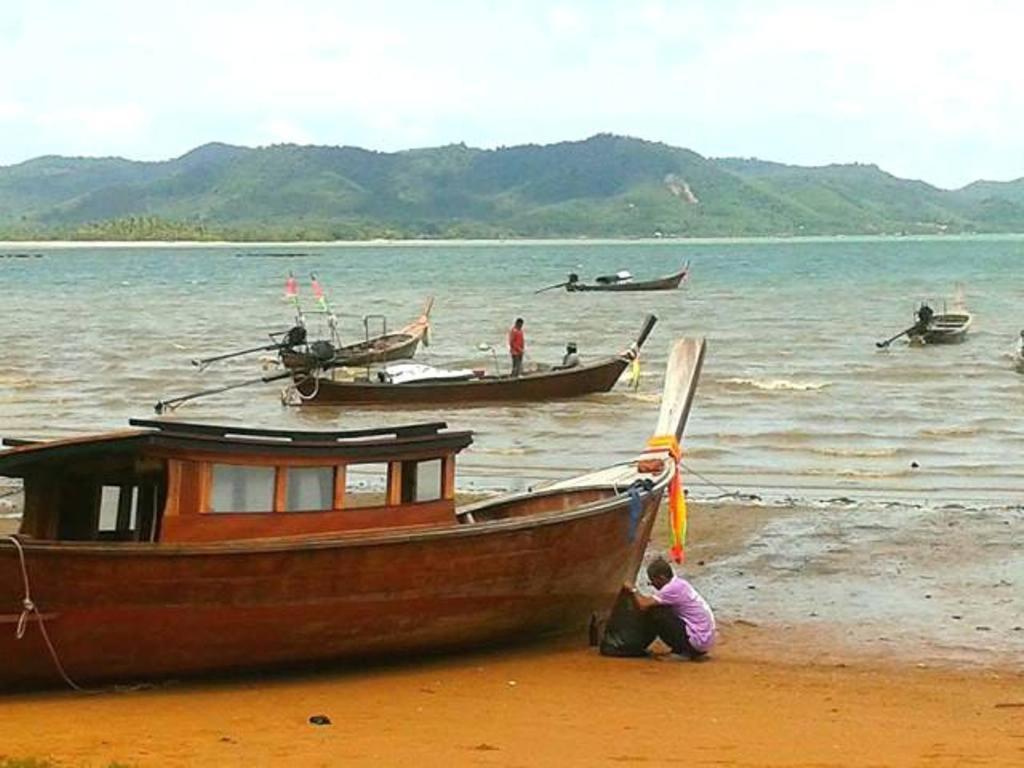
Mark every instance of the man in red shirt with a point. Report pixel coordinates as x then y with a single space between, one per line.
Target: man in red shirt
516 346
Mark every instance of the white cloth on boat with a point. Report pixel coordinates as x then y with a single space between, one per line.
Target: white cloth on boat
401 373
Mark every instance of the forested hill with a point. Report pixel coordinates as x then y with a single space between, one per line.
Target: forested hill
605 186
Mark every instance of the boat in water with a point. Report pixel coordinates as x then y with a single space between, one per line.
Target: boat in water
297 352
947 327
469 387
386 347
174 549
624 281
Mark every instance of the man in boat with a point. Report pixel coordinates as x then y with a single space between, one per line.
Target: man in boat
675 612
924 319
517 346
570 359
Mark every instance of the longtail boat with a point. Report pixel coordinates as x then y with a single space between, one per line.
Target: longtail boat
400 345
623 281
175 549
297 352
584 379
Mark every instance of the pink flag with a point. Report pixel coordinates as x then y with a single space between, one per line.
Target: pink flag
318 292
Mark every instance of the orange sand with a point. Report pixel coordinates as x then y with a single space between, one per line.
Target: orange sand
559 705
769 697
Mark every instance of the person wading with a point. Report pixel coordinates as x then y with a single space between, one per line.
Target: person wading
517 346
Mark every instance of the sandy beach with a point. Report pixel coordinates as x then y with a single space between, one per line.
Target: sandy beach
773 694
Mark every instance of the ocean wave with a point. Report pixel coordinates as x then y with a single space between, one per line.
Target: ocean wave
857 453
952 430
774 385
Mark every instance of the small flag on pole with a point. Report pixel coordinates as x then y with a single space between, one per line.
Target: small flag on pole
318 292
291 289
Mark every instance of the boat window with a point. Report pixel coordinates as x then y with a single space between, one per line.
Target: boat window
421 480
310 488
118 508
366 485
242 489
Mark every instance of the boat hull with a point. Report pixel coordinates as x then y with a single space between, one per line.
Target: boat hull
142 612
947 328
661 284
548 385
384 349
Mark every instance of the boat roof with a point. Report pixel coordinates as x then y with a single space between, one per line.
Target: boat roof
381 443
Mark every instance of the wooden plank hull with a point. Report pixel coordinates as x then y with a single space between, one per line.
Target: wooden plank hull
661 284
141 612
383 349
548 385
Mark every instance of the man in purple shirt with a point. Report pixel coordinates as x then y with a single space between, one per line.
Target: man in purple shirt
676 612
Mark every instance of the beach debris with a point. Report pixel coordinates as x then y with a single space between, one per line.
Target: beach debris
484 747
319 720
957 616
914 465
983 628
1009 704
512 682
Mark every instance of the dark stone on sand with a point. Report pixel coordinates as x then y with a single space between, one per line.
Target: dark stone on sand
319 720
914 465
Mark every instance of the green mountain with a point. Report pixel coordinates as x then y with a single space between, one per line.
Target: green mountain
605 186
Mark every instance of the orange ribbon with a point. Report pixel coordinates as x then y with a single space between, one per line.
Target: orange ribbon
676 497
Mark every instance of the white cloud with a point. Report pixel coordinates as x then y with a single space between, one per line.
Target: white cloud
792 80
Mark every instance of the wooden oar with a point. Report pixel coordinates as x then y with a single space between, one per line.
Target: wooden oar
202 362
174 402
550 287
293 337
887 342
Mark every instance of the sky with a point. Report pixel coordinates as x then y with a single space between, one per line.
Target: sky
926 90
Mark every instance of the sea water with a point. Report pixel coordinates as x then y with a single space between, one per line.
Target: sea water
796 405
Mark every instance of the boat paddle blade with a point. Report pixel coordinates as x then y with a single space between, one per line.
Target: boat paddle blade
686 358
890 340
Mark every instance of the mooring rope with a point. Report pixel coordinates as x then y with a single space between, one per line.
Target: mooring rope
28 607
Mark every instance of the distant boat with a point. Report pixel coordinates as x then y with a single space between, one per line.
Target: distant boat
622 281
947 327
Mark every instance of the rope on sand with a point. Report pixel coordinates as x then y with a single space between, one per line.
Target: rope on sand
28 607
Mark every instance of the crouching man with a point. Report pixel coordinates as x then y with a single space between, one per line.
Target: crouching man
675 612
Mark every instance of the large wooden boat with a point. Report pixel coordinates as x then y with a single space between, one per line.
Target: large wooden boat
584 379
400 345
176 549
623 283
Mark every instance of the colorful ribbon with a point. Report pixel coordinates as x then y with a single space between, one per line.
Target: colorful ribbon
676 497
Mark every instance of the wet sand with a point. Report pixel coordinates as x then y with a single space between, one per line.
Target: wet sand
773 694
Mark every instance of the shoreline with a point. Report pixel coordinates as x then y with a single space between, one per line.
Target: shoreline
566 241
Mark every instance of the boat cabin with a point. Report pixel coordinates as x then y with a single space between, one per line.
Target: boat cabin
167 481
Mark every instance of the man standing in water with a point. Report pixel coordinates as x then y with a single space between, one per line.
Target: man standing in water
516 346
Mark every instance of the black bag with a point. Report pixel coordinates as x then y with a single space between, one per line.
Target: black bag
626 632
